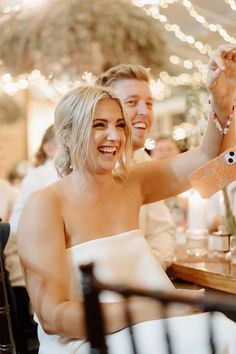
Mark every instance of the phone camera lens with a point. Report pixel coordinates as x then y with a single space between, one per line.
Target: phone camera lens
231 153
230 160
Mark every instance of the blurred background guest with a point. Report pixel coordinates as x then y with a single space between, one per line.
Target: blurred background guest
8 193
41 174
165 148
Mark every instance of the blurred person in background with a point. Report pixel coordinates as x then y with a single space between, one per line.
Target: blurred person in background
165 148
8 193
40 175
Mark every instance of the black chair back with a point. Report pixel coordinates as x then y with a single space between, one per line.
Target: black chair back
94 319
7 344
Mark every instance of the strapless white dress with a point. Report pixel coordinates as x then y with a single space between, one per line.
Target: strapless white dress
126 259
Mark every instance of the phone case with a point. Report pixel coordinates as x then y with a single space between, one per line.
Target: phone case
215 174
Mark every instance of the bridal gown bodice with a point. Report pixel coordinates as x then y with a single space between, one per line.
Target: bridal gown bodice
120 259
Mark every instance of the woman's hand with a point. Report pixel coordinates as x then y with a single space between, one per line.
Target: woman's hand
221 80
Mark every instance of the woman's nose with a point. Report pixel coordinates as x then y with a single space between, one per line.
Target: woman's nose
113 134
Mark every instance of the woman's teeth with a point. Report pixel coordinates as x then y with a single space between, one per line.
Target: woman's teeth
108 150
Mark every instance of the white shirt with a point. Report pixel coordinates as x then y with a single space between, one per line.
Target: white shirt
37 178
157 224
8 196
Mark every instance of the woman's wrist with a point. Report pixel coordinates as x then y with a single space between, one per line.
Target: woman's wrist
222 107
222 127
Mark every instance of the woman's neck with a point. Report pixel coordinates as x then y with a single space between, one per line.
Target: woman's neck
89 182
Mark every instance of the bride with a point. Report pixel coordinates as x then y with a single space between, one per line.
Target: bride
91 214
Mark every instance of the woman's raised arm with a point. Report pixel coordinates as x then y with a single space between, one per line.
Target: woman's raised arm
173 174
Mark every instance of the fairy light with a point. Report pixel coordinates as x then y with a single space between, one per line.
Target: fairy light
22 6
190 40
161 87
232 4
162 3
50 87
179 133
210 26
204 49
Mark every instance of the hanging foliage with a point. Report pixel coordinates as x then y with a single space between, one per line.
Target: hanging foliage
73 36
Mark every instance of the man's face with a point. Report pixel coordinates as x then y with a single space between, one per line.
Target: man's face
137 98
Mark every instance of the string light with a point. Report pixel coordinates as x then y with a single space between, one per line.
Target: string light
190 40
22 6
232 4
161 87
210 26
202 48
197 79
51 89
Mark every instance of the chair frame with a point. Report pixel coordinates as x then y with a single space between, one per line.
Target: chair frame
91 289
7 344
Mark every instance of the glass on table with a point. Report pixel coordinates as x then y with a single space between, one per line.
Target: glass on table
197 242
233 249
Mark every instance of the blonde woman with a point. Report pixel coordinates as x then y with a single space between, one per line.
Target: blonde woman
91 214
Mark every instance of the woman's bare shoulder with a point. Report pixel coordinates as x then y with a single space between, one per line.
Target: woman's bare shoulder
41 215
45 198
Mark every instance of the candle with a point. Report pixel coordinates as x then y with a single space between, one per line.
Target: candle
197 212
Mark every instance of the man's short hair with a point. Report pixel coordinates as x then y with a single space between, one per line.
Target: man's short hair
123 72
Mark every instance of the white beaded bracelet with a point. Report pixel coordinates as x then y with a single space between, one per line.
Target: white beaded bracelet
223 130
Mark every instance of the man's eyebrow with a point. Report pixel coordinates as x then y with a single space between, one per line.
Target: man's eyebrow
137 96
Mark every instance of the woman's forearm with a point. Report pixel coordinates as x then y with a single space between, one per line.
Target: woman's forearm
68 319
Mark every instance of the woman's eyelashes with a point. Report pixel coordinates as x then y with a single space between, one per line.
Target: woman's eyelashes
121 125
104 124
99 125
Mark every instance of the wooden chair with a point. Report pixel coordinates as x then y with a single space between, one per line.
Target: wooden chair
7 344
91 289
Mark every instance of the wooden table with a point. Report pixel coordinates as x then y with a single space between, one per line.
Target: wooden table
214 273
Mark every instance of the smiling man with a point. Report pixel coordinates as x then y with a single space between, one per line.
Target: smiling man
131 83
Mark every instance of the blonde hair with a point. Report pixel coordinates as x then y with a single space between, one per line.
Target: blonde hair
122 72
73 124
41 156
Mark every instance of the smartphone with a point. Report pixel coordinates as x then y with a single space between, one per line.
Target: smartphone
216 174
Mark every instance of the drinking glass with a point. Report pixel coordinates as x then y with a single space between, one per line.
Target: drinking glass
233 249
197 242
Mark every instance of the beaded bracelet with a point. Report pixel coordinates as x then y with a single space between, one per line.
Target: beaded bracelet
223 130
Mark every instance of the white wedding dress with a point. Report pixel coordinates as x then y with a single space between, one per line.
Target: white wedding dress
126 259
